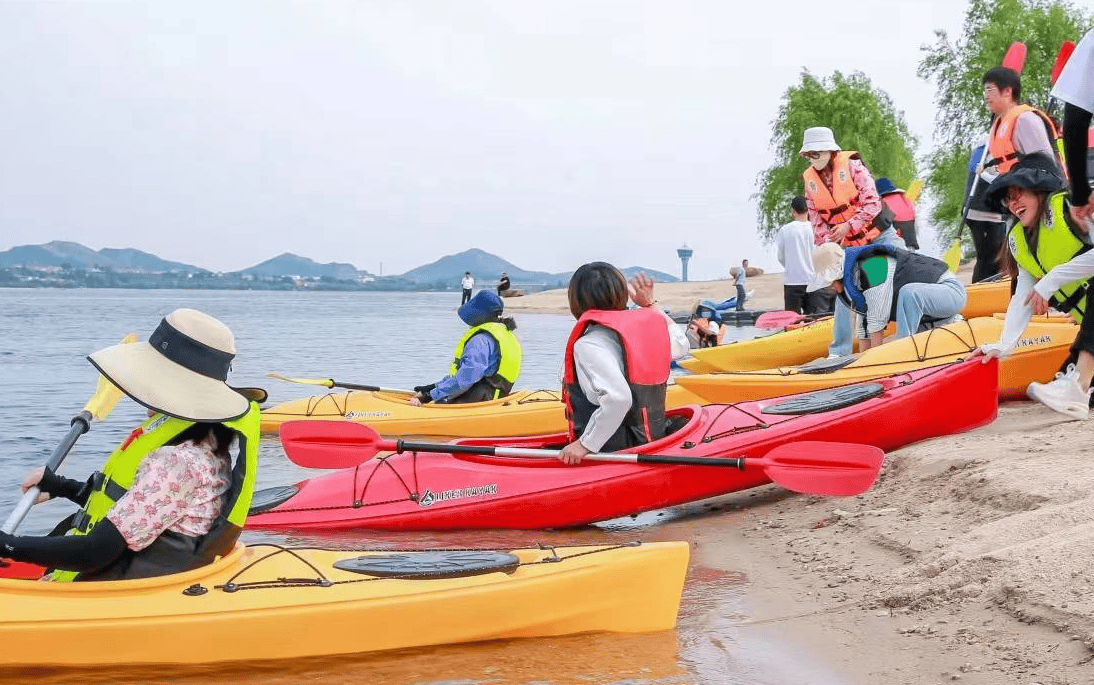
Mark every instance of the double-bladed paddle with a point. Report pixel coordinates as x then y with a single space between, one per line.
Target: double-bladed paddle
98 407
813 467
331 383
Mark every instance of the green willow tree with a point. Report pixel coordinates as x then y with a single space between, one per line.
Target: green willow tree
957 69
862 118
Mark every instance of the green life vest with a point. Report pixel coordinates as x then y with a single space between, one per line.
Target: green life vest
1057 244
501 382
116 476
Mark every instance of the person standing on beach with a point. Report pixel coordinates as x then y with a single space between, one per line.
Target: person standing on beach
844 208
985 225
794 248
468 283
739 280
1076 88
503 284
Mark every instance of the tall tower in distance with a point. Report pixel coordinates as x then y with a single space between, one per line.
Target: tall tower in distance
685 254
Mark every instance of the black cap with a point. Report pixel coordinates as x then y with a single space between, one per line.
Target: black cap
1035 171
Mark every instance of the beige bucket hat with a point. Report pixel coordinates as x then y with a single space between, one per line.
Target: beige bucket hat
827 266
818 139
181 370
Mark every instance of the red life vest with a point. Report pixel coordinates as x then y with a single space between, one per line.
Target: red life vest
840 202
646 358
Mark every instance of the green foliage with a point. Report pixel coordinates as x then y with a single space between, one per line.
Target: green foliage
862 118
957 69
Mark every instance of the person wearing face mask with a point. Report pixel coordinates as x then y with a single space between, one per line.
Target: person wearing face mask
844 208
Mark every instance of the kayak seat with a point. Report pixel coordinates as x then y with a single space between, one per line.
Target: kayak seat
825 400
827 365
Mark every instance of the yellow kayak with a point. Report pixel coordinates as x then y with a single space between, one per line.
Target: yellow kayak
266 602
1039 354
809 342
523 413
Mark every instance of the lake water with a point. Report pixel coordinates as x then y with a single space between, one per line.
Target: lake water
389 339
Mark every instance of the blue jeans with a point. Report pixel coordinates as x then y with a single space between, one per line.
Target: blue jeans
940 300
841 324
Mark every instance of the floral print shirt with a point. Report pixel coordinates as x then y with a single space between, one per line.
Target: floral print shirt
179 488
869 203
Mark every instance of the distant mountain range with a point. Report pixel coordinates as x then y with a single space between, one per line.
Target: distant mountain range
445 273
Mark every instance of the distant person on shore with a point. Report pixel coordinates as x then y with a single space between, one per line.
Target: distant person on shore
903 211
468 283
883 283
794 250
616 365
488 356
739 280
503 284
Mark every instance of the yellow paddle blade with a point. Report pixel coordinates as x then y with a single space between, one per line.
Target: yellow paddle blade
325 382
952 256
106 393
914 190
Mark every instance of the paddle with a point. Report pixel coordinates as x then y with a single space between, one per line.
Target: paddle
1066 48
1014 59
772 320
98 407
331 383
820 468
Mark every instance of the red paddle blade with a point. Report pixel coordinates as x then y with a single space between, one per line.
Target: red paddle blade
21 570
330 444
1066 48
1016 56
822 468
770 320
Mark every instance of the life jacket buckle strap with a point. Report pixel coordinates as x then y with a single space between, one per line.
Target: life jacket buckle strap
100 483
81 521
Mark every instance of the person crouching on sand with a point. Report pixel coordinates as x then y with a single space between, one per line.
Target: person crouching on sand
1049 260
617 361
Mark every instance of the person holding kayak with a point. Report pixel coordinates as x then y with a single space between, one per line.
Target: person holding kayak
617 361
1075 88
844 208
1049 260
169 499
487 358
883 283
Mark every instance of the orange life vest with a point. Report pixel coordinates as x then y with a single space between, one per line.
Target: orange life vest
840 202
1004 153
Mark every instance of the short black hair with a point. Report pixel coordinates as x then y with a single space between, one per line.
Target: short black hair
1003 78
798 204
597 285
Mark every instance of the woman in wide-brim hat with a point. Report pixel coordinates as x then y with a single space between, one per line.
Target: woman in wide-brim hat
1049 260
169 498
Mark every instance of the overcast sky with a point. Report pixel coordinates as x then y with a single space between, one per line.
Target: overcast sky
395 132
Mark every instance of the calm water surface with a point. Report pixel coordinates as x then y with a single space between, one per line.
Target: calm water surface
389 339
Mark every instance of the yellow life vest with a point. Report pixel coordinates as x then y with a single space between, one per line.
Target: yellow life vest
508 351
116 476
1057 244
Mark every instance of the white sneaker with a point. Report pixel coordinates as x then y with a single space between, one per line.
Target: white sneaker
1063 394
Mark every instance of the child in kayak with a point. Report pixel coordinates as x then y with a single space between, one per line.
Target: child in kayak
617 361
487 358
169 499
1050 262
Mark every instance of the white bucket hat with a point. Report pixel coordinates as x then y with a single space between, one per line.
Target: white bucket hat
819 139
827 266
181 370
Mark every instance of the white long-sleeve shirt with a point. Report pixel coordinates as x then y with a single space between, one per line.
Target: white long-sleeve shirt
598 366
1019 311
794 249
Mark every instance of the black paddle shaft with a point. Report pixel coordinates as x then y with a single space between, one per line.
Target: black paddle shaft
735 462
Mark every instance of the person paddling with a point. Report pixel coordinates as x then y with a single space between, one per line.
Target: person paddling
617 362
175 494
884 283
487 358
1049 260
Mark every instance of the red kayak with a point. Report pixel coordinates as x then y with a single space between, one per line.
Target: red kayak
438 491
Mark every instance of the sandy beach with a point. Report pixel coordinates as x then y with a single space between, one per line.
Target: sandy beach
971 560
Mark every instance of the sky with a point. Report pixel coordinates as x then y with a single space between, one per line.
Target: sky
388 134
